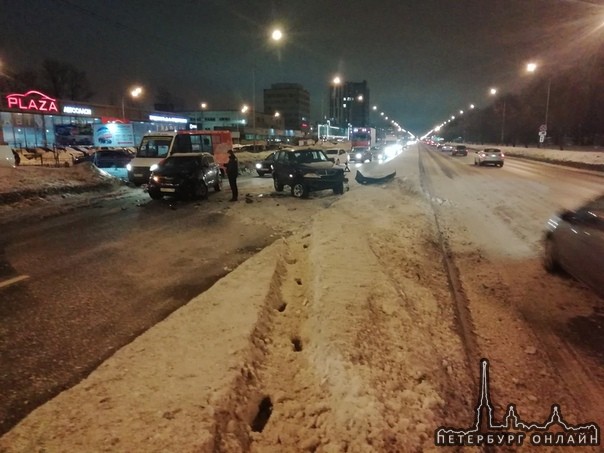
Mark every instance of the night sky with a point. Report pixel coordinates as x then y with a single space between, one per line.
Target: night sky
424 60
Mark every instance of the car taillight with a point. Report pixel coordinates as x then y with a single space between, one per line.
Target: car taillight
502 155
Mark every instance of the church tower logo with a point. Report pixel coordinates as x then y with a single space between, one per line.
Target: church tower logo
555 431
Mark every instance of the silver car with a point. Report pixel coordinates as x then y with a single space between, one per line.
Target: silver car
489 156
574 242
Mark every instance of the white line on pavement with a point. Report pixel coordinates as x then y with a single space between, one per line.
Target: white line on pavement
12 281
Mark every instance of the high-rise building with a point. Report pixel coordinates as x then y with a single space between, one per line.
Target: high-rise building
349 104
292 102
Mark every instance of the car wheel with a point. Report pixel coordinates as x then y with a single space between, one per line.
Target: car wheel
260 173
201 191
501 164
550 261
337 161
218 185
475 163
278 185
299 190
339 189
155 194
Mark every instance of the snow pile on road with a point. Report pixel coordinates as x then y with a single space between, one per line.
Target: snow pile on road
593 158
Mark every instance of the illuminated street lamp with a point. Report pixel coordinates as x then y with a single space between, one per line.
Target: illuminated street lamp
276 35
375 107
471 106
244 108
204 105
134 92
493 91
277 114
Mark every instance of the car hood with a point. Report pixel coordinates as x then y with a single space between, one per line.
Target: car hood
174 172
318 166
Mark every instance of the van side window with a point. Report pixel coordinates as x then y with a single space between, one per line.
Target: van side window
182 144
196 143
206 143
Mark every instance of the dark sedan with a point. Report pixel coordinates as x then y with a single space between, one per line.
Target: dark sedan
574 242
265 166
459 150
108 158
185 175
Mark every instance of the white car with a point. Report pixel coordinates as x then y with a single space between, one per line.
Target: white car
7 158
489 156
339 156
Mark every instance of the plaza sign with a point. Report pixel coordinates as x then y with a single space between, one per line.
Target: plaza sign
32 101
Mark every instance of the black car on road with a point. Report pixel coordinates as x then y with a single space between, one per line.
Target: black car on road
361 154
306 170
265 166
459 150
107 158
185 175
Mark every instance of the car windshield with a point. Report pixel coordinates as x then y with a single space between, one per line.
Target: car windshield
154 147
490 150
309 156
181 162
331 151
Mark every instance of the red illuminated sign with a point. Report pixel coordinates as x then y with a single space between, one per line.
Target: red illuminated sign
32 100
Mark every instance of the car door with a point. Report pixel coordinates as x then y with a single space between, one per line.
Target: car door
589 252
209 170
279 166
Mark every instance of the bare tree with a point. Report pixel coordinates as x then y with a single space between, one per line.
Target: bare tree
65 81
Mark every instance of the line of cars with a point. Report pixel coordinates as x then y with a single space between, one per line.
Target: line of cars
485 156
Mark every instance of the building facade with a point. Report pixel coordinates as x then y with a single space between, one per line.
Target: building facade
292 102
34 119
246 127
349 104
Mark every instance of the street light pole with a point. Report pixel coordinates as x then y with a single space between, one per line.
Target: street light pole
254 103
503 123
549 87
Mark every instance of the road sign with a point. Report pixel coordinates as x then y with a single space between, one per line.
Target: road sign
543 128
542 133
541 138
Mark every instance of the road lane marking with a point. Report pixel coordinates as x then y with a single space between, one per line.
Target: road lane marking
12 281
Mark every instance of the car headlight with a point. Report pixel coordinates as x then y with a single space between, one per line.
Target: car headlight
358 155
153 167
155 178
129 167
259 166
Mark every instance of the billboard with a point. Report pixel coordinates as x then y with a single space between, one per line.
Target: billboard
113 134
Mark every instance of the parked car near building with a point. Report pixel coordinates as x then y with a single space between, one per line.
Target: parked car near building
107 158
306 170
186 175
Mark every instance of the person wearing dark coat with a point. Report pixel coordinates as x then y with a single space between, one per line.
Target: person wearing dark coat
232 171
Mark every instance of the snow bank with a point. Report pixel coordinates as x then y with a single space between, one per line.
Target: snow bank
174 387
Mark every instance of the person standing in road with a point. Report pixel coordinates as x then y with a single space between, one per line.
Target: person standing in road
232 171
